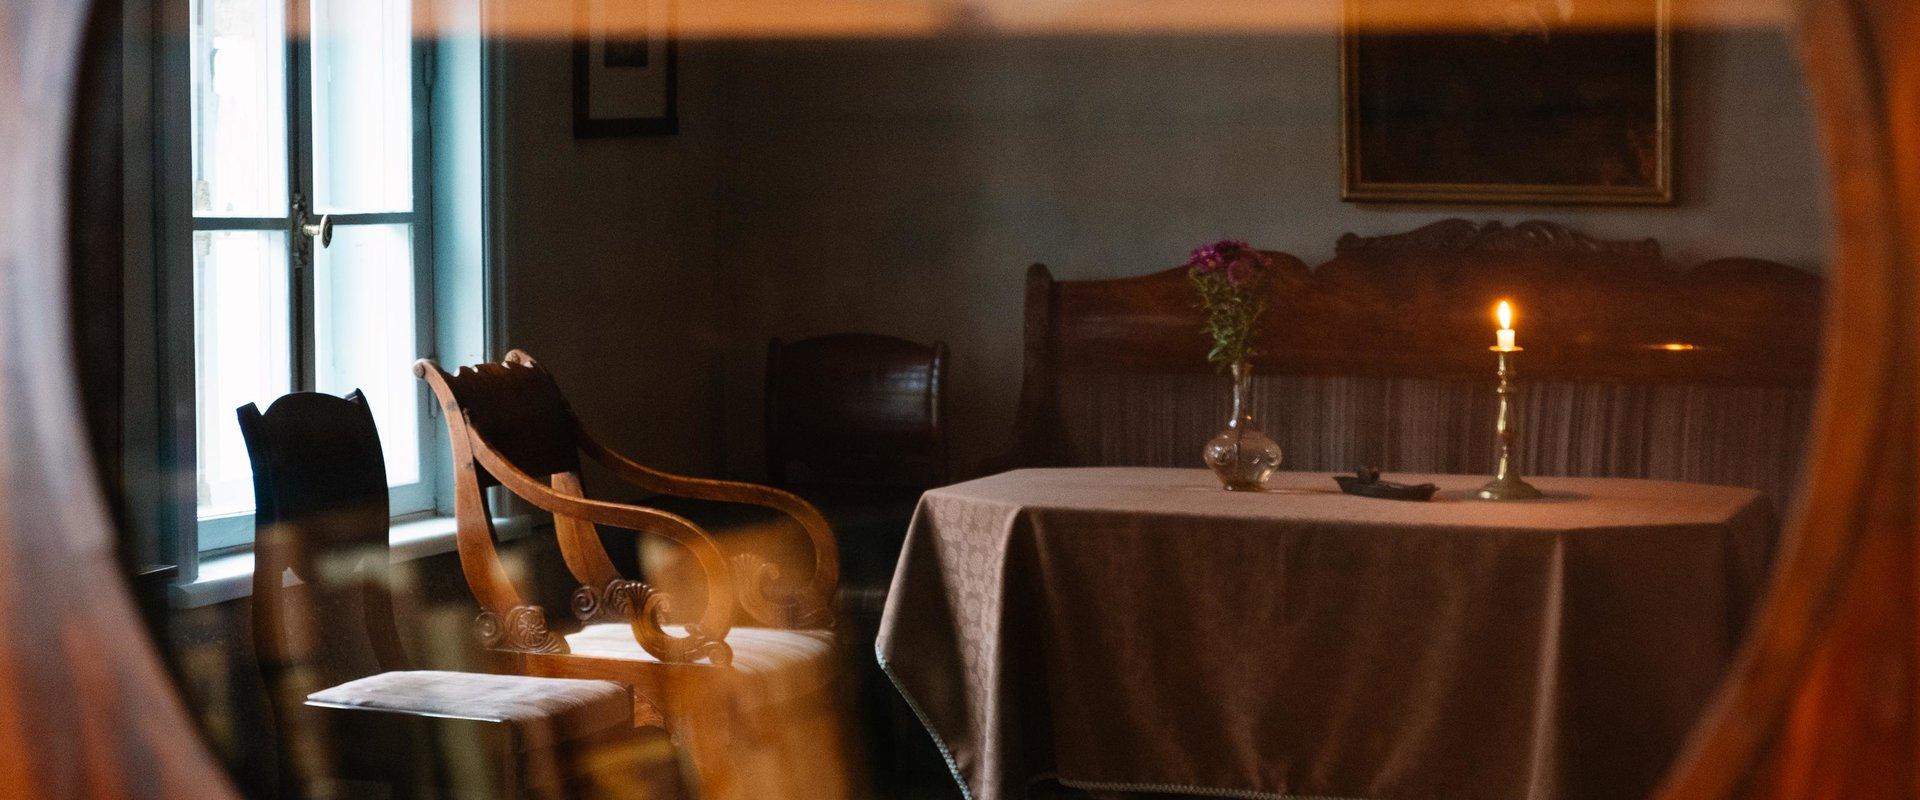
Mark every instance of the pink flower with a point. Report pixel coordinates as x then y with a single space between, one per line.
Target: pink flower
1240 262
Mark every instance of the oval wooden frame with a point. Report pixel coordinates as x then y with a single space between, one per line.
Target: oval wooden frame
1822 699
87 708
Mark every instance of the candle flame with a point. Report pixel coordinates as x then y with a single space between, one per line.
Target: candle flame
1505 314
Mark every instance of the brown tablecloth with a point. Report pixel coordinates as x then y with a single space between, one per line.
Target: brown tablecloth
1128 629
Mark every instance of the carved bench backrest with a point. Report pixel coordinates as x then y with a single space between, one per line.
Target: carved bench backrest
1633 367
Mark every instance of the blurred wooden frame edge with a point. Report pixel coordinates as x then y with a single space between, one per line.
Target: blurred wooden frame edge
91 709
113 747
1803 710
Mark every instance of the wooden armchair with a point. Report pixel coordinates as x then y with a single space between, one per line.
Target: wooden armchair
348 702
510 426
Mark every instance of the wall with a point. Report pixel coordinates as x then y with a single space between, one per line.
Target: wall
608 249
903 187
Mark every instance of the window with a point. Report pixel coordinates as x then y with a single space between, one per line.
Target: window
310 230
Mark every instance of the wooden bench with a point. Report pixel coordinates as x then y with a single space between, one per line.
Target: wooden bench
1633 367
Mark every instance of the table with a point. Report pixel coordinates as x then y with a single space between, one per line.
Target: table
1131 629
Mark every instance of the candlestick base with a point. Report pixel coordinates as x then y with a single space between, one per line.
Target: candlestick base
1508 488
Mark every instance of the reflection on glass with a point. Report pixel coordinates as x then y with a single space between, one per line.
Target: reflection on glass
365 334
242 354
239 108
362 106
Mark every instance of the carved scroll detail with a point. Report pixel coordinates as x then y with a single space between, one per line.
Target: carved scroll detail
1539 235
1447 234
1459 235
523 629
646 610
608 604
774 602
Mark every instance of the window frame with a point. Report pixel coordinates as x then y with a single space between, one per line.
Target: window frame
179 533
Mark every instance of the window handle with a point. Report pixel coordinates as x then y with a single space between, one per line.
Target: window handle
321 231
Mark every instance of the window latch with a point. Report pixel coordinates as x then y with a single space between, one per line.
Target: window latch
321 232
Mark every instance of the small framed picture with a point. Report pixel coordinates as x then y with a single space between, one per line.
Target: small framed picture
623 69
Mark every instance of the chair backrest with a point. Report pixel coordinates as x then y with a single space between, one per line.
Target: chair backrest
320 495
856 409
518 408
515 406
1633 367
510 426
321 512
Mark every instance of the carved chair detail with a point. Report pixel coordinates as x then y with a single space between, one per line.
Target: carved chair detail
512 427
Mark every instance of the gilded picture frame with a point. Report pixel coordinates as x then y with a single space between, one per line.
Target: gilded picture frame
1538 107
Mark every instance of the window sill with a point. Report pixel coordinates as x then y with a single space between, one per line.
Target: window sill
230 577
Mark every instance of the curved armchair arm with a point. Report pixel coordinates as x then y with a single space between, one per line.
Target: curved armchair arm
762 594
643 607
508 620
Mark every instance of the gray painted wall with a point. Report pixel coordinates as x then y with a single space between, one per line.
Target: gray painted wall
608 249
903 186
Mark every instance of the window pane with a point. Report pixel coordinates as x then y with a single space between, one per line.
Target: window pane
366 335
241 350
239 108
362 105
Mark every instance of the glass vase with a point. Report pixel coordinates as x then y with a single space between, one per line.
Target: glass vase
1241 456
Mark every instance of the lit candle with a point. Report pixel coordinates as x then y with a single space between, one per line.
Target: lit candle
1503 338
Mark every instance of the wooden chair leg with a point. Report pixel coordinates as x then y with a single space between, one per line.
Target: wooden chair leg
637 764
747 759
705 735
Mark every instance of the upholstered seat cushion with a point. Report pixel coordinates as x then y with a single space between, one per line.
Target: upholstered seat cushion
773 664
541 711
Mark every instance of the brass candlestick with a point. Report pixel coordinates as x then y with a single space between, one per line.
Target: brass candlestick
1506 483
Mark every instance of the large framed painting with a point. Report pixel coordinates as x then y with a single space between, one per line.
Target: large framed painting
1532 101
623 69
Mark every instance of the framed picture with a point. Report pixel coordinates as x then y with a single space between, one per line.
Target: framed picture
623 69
1541 101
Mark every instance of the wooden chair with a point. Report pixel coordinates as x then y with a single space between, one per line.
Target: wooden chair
754 706
854 424
348 701
856 410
